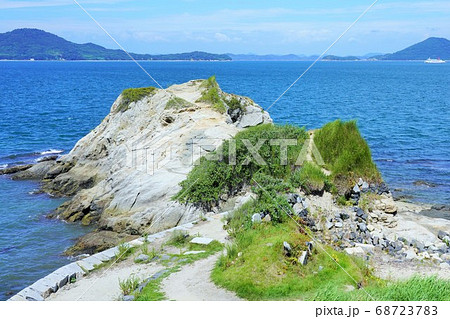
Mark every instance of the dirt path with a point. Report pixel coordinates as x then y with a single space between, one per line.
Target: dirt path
193 283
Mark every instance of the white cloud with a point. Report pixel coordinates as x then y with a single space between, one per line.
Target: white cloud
222 37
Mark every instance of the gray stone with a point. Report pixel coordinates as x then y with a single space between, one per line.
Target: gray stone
359 212
128 298
362 227
360 181
365 187
355 251
344 215
376 240
202 240
287 248
329 225
89 263
442 234
303 259
251 118
256 218
309 246
141 258
338 225
30 294
356 189
194 252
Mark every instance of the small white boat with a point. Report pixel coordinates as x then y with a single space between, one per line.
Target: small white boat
434 61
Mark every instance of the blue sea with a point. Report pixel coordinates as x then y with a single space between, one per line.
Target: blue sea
402 109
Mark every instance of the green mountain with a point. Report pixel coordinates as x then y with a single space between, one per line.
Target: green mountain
26 44
430 48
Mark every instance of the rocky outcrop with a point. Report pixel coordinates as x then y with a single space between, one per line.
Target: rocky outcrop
123 174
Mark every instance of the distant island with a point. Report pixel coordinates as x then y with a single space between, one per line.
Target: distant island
430 48
35 44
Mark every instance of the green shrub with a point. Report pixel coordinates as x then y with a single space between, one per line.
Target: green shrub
134 95
212 178
211 95
234 104
346 153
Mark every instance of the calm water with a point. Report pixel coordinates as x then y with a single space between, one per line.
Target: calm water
402 108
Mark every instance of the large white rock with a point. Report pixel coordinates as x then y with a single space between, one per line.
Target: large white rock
133 162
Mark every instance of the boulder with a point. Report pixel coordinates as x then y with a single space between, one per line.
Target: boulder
358 251
287 249
141 258
256 218
303 259
442 234
362 227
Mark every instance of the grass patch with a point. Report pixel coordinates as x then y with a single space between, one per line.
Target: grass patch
134 95
234 104
211 95
262 272
311 179
414 289
346 153
129 285
236 167
177 103
178 238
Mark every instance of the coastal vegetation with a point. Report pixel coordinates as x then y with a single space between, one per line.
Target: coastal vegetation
344 151
236 167
346 154
134 95
256 267
211 95
176 102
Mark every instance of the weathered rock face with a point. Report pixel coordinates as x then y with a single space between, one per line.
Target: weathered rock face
124 173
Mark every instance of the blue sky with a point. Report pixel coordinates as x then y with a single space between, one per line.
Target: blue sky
252 26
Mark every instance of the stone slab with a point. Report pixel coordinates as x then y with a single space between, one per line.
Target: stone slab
195 252
201 240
